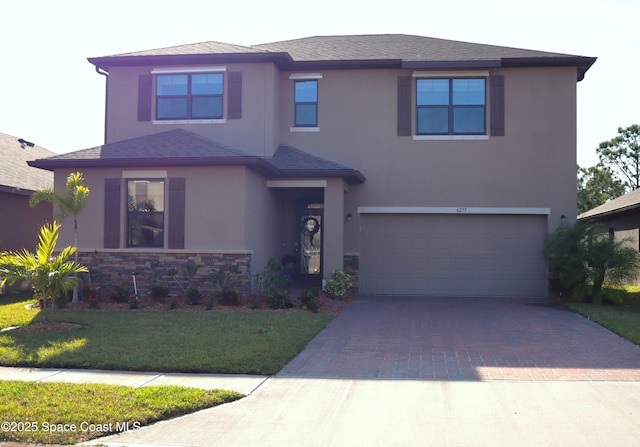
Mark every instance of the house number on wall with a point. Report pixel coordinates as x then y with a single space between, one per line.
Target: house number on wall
461 210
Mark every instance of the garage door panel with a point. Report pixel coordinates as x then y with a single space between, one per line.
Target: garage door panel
456 255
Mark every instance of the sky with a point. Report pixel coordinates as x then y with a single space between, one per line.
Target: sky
51 95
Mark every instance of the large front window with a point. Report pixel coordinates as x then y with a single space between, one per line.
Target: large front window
145 213
189 96
451 106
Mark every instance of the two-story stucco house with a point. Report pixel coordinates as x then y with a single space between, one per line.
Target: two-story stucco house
419 165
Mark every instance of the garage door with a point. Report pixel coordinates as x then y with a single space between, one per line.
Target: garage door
453 255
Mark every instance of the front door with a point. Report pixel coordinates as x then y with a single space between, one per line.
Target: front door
309 240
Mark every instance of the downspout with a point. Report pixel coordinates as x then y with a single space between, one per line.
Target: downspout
105 73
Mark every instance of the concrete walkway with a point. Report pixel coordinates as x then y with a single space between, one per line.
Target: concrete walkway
244 384
429 371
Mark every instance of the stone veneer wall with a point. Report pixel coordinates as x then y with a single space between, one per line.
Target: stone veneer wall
351 264
113 267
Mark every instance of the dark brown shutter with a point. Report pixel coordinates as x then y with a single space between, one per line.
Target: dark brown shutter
144 98
496 85
234 102
112 213
176 212
404 106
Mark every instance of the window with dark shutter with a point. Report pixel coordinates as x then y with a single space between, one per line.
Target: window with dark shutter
144 98
234 104
404 106
112 213
176 212
496 92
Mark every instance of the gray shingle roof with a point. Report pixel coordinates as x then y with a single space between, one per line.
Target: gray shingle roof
179 147
14 170
292 162
173 144
373 50
623 203
408 48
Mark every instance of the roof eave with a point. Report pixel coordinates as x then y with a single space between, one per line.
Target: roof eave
187 59
255 163
621 210
581 63
351 176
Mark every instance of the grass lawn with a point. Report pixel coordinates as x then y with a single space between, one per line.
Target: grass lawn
622 319
56 413
242 341
247 342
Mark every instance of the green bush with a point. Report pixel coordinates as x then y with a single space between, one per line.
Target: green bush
584 254
310 300
158 292
339 284
119 294
230 297
279 299
192 295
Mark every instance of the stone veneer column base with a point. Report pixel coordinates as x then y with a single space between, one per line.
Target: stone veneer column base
109 268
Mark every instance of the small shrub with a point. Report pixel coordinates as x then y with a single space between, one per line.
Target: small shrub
133 304
230 297
61 300
271 279
158 292
210 303
120 294
173 304
192 295
279 300
339 284
311 300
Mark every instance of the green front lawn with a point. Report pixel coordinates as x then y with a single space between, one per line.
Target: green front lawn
63 413
243 341
623 318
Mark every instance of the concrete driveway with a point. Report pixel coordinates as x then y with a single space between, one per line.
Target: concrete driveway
395 371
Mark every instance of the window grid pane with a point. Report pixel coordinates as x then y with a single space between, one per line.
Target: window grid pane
306 103
451 106
189 96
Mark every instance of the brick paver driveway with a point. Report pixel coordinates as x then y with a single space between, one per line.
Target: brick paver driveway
465 339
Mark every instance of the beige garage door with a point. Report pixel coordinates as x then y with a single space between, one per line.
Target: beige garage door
453 255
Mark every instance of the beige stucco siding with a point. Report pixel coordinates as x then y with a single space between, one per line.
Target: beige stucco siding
215 207
531 166
255 133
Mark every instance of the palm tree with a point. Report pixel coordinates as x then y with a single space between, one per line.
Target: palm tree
70 202
48 274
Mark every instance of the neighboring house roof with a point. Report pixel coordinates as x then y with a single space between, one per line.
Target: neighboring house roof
358 51
621 204
182 148
16 175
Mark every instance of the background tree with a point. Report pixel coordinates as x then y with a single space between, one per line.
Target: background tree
597 185
48 274
622 155
70 202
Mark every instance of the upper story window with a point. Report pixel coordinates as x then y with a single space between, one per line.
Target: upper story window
306 103
189 96
145 213
451 106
